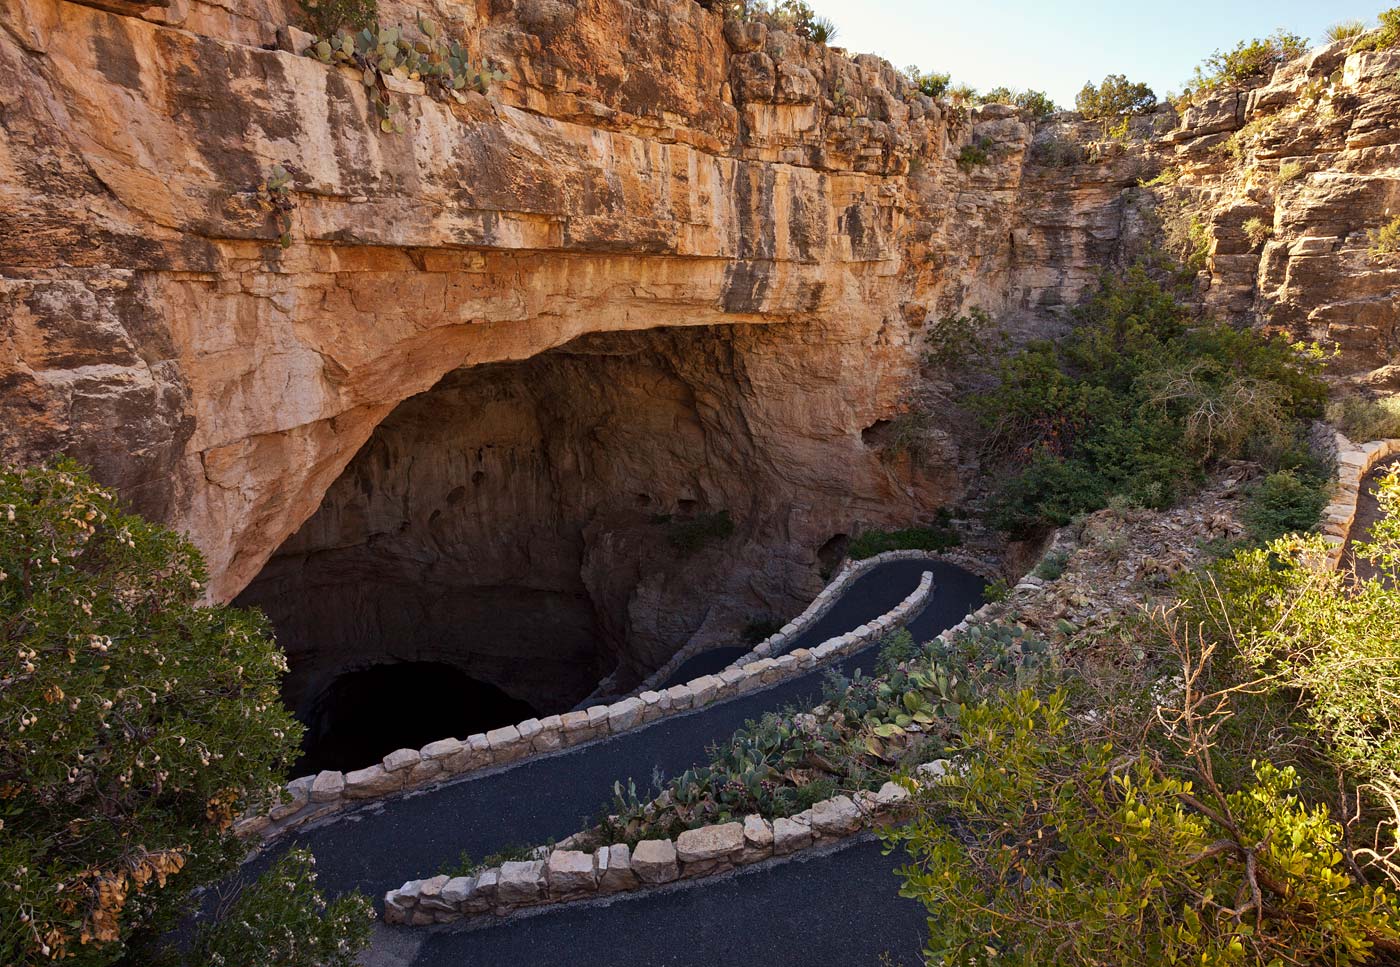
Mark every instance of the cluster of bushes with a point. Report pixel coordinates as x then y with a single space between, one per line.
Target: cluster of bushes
1037 103
1249 64
938 536
136 726
1363 419
1114 97
1137 401
975 154
1385 241
1386 36
793 16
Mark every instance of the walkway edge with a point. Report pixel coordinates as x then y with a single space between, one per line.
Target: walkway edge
311 798
1354 462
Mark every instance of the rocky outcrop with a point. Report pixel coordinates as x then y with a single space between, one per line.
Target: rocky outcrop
645 166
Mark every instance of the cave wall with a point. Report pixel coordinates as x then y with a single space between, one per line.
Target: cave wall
515 519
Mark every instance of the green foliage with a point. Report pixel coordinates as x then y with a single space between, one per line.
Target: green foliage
443 65
275 196
464 865
896 648
1346 30
1052 565
974 155
1288 171
1041 848
1257 231
324 17
1364 419
1284 502
689 536
962 339
794 16
1249 64
1165 178
1136 400
1036 103
282 920
934 85
1385 241
1185 234
908 434
136 723
1056 152
1113 97
1384 38
1383 548
937 536
998 590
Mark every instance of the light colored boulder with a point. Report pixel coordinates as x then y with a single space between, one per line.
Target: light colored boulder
836 817
521 883
790 835
528 729
624 715
483 896
430 894
614 866
505 742
551 735
299 791
681 696
758 839
570 873
890 795
654 861
402 759
327 786
457 890
704 689
709 848
371 782
423 771
442 749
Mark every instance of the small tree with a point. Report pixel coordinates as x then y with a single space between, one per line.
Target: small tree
1114 97
1249 64
135 724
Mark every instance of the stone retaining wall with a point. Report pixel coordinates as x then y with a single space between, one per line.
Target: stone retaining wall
1354 462
315 797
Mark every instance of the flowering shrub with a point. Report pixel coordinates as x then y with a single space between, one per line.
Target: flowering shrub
135 724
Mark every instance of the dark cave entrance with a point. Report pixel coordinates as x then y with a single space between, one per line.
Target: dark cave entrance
365 714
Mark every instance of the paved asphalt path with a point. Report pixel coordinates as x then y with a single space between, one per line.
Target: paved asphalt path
382 845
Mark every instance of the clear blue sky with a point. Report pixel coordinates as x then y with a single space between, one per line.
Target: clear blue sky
1056 47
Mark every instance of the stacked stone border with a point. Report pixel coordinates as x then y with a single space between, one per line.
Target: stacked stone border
311 798
1354 462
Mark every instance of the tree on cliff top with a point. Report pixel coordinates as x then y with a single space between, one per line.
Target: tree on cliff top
135 724
1113 97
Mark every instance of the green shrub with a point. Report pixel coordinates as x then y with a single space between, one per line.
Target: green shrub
1282 503
962 339
896 648
1383 548
1056 152
1257 231
464 865
1385 241
907 433
1288 171
794 16
974 155
324 17
1185 234
1250 63
935 537
1346 30
1364 419
1052 565
1136 400
136 724
689 536
1043 848
1036 103
1114 96
934 85
1386 36
282 920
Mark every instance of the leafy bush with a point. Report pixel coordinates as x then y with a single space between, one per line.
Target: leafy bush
1250 63
443 66
1036 103
464 865
962 339
933 85
1385 241
1288 171
1386 36
794 16
1041 847
1383 549
324 17
974 155
1114 96
689 536
1185 234
136 724
1346 30
1257 231
1052 565
1364 419
1136 400
1056 152
1284 502
896 648
282 920
907 433
934 537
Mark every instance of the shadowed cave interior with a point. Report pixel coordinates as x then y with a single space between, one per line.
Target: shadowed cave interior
505 541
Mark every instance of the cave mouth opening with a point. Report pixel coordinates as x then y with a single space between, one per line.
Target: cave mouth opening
365 714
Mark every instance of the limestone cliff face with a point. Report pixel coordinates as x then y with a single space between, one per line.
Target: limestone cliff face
668 258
